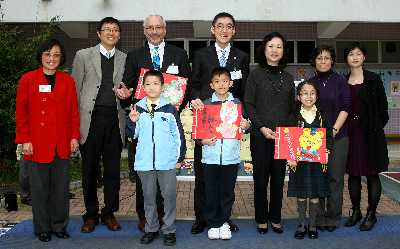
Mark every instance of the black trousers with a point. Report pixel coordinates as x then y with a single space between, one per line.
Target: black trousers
49 183
199 185
23 176
131 146
103 142
219 192
265 169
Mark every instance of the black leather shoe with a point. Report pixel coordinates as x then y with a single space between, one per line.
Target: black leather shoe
147 238
233 226
262 230
330 228
277 230
300 233
369 221
62 235
44 237
313 234
170 239
198 227
354 218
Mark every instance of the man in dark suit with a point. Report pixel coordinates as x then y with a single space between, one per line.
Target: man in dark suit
205 60
155 54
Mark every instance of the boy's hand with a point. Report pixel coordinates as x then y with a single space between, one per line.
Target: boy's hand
244 124
197 104
74 145
210 141
27 149
122 91
178 165
134 115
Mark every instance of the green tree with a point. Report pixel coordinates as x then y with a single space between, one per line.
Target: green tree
18 55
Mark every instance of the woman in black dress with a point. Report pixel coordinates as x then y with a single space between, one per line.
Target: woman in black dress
269 101
368 155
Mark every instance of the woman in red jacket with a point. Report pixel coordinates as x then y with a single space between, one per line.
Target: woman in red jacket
47 125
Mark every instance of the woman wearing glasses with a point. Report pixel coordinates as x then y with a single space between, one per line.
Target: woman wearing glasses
270 102
335 104
47 126
368 155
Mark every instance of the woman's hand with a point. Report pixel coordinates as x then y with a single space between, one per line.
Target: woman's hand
27 149
74 145
292 165
122 91
134 115
209 142
267 132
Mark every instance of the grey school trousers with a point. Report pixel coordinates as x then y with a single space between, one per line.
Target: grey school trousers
167 182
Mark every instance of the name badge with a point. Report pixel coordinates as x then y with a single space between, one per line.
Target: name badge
236 75
172 69
45 88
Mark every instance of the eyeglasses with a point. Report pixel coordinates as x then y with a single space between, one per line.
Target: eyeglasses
49 55
228 27
321 58
110 30
156 28
312 94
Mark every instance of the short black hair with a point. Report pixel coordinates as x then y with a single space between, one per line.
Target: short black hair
46 46
261 49
321 48
108 19
353 46
220 71
222 15
156 73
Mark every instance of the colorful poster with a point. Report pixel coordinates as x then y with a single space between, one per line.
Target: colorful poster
220 120
174 88
301 144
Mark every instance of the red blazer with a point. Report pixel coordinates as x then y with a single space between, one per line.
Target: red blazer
49 120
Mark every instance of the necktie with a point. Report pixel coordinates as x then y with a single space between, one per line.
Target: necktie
108 54
156 59
222 58
153 107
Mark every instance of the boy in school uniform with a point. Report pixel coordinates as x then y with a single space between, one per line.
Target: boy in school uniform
160 149
220 161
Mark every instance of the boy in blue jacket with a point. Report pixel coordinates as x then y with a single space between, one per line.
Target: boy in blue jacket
160 149
220 159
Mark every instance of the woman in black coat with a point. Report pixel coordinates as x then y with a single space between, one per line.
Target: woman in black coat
368 155
270 102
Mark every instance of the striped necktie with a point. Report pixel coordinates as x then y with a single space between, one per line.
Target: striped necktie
156 59
222 58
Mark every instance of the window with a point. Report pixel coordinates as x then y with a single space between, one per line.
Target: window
177 43
195 45
371 48
390 51
304 51
245 46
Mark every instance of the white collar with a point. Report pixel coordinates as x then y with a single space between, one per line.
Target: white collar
218 48
160 46
104 51
308 115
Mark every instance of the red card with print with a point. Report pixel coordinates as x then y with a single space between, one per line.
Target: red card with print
174 88
221 120
301 144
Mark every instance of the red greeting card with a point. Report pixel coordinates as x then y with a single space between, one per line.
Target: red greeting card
220 120
301 144
174 87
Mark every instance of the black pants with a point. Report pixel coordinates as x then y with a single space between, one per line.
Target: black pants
103 141
131 146
49 184
219 192
24 166
199 185
266 168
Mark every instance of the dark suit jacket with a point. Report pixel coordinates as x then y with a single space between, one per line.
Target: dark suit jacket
205 60
141 58
374 116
